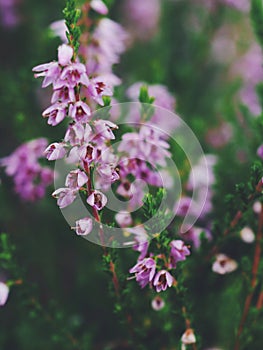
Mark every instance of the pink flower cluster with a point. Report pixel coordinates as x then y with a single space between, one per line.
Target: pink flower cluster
102 48
77 87
191 206
30 178
149 269
142 152
67 76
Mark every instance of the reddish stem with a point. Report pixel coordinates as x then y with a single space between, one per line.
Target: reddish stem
253 281
102 238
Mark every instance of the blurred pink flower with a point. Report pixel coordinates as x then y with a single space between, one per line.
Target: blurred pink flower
241 5
59 29
142 17
9 13
123 218
30 178
99 6
158 303
223 264
4 292
249 68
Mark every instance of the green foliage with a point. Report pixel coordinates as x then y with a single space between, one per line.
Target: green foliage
72 15
146 101
257 19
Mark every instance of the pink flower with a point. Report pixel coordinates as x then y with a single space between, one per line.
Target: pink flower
107 43
97 89
30 178
99 6
80 112
77 134
247 235
249 68
260 151
257 207
4 292
158 303
97 200
65 196
140 242
9 16
50 71
55 113
64 94
72 75
224 264
55 151
103 129
144 271
59 29
123 218
179 252
76 179
162 96
162 280
194 235
83 226
107 173
87 154
65 54
143 17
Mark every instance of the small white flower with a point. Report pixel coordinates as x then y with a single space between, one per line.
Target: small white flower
158 303
247 235
257 207
224 264
188 337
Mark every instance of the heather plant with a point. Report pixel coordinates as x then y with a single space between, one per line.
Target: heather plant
151 147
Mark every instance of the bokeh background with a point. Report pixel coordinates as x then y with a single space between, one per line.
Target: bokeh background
205 53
